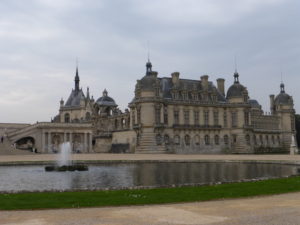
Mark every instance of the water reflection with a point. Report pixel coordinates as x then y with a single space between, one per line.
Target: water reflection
122 175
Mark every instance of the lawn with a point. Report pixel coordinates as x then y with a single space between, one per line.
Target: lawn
47 200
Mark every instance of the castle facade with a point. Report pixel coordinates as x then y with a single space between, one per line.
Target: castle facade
167 115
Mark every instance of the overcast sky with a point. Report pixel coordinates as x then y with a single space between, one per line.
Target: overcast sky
40 40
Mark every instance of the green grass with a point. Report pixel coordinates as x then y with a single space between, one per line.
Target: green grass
46 200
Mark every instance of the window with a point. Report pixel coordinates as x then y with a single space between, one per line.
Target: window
246 115
167 139
278 139
248 139
255 140
233 119
123 123
267 140
139 115
273 140
177 140
217 140
226 139
186 117
133 117
67 118
157 114
206 140
88 116
197 140
166 115
206 118
196 117
187 140
176 117
216 118
158 139
225 119
261 139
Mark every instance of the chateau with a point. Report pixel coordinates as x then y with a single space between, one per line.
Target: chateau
167 115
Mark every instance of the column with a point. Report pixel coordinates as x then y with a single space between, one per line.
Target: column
71 140
65 137
90 142
49 142
85 145
43 142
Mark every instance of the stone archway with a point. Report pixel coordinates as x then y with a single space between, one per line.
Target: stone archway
25 143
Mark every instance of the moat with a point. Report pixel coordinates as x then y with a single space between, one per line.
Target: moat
31 178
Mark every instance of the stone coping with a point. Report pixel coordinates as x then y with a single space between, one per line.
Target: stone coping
105 158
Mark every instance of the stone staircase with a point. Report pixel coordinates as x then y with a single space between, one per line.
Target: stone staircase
147 143
6 148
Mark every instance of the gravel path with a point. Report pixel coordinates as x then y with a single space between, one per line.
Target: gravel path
272 210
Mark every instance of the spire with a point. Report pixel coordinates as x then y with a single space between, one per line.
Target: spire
282 88
77 79
236 74
236 77
88 93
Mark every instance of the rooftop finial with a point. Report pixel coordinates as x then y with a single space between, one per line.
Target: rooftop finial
105 92
148 64
236 74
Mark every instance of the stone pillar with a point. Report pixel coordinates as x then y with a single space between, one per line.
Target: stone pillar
49 142
65 137
85 144
90 142
43 142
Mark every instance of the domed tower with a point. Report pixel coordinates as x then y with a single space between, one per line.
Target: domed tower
237 93
105 105
283 107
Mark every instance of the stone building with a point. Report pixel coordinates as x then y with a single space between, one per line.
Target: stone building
169 115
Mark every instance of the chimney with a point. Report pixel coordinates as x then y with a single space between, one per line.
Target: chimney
204 82
272 100
221 88
175 77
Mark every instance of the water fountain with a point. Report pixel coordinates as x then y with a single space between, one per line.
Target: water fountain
64 162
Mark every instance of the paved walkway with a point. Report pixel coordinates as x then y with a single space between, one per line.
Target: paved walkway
140 157
272 210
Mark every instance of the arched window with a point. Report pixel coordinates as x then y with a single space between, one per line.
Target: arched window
226 139
67 118
206 140
197 140
217 140
177 140
167 139
116 124
158 139
187 140
255 140
248 139
261 139
88 116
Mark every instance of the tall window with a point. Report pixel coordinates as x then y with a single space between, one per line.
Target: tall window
216 118
176 117
186 117
196 117
133 118
187 140
206 118
177 140
226 139
67 118
206 139
217 140
246 114
166 115
248 139
138 115
157 114
234 119
225 119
